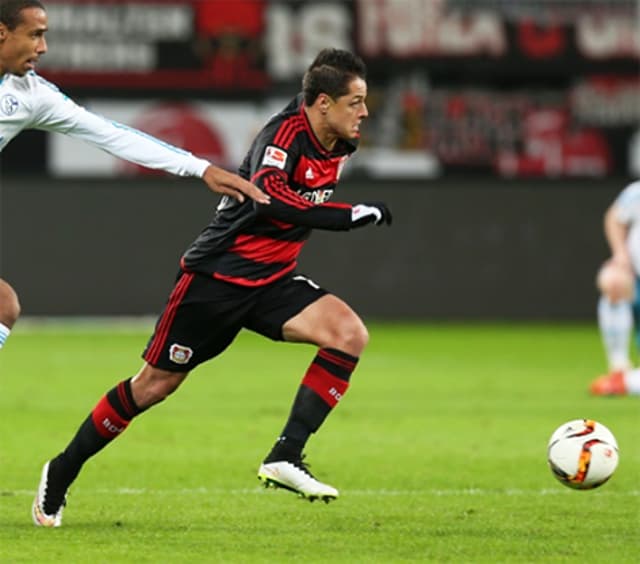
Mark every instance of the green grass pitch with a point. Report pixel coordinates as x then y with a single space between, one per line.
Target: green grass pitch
438 450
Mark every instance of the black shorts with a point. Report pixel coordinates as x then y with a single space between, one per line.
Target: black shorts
203 316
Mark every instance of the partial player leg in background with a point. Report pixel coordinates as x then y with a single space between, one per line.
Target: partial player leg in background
632 377
9 310
616 324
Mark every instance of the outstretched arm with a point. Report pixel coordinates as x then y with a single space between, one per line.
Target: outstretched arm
56 112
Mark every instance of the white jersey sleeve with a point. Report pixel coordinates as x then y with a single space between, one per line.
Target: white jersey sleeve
54 111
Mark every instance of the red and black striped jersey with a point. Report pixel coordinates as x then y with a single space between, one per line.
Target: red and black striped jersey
253 244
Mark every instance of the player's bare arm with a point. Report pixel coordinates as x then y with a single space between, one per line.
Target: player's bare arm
616 233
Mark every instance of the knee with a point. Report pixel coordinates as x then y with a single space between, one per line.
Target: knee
152 385
9 304
616 282
351 336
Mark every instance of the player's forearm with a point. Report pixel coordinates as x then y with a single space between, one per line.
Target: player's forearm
289 206
330 217
616 235
136 146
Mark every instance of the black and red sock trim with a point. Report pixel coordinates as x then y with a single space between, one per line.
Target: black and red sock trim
329 373
115 410
121 398
336 362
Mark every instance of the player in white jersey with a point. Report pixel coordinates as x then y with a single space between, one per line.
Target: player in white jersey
619 284
27 101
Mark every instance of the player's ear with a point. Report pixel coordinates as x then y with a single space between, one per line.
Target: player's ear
324 101
4 31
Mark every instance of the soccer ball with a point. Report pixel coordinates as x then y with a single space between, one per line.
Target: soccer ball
582 454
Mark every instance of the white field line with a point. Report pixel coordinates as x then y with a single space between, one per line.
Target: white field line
84 324
470 492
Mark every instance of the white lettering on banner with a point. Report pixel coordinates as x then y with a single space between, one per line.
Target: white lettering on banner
607 103
481 33
113 37
295 34
406 28
601 37
141 20
93 56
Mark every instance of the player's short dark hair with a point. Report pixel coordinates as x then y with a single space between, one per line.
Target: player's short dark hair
11 11
331 73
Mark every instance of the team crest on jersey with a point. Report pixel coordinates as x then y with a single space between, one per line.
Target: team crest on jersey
180 354
9 104
273 156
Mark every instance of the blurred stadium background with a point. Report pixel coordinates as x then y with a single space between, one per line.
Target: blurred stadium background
499 133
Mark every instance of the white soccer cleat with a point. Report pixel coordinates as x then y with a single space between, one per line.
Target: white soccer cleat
295 477
40 517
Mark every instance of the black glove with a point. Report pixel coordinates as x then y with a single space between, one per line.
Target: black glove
370 212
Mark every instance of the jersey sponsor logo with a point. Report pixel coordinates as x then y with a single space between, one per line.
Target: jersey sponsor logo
9 104
180 354
273 156
309 174
318 196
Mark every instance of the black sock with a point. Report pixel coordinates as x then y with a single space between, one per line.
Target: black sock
108 419
322 387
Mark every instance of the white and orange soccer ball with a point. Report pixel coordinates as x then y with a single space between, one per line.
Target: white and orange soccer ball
582 454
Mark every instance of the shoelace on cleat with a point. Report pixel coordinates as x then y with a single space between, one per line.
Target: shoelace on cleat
302 465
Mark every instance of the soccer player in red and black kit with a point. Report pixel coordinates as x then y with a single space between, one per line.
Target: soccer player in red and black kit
240 273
